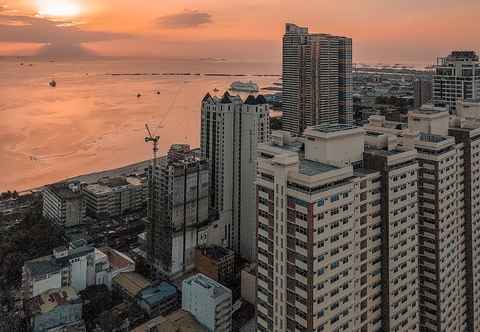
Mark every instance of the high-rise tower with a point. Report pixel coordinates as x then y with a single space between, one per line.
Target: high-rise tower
317 79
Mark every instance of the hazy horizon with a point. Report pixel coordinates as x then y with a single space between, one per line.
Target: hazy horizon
397 31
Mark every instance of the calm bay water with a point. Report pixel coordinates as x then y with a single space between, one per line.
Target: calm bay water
93 120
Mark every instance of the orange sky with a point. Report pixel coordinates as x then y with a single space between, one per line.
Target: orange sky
382 30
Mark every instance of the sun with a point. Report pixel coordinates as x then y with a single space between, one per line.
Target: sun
59 8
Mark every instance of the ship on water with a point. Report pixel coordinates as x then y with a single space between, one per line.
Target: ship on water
244 86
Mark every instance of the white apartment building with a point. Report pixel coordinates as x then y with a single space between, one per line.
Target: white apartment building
457 77
63 204
209 302
230 131
66 267
317 79
76 267
322 264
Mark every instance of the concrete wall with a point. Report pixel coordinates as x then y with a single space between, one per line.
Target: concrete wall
41 286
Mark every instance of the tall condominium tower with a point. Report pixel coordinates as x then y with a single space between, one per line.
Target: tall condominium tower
457 77
230 131
181 210
467 134
337 241
317 79
441 258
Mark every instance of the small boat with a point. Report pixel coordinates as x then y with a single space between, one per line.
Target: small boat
215 90
139 95
158 92
52 83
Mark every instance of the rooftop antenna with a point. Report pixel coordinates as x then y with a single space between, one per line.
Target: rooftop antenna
151 189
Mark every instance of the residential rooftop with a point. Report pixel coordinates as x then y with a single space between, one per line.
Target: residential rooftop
215 252
116 259
333 127
131 282
108 185
432 138
215 289
51 299
50 264
312 168
66 191
178 321
154 295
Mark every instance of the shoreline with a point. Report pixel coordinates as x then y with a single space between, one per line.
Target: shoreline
137 167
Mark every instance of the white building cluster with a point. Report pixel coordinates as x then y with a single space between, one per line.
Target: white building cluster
78 266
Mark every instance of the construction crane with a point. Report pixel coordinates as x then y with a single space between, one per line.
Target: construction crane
151 186
154 140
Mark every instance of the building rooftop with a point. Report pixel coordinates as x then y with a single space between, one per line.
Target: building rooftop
49 300
117 259
178 321
463 56
66 191
311 168
332 127
215 252
154 295
215 289
131 282
432 138
108 185
383 152
50 264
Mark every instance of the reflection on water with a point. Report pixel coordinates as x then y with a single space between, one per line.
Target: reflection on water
93 120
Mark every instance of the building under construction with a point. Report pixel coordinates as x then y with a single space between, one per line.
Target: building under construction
179 211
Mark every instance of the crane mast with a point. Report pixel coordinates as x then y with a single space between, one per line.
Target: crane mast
151 189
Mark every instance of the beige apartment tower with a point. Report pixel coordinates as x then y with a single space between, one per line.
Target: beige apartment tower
337 233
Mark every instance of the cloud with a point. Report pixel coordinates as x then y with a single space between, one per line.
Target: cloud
58 37
184 20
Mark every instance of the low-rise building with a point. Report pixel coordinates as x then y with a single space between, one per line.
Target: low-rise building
216 262
65 267
55 310
63 204
208 301
158 300
178 321
109 263
129 284
115 196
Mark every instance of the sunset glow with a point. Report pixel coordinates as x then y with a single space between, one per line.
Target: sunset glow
382 30
59 8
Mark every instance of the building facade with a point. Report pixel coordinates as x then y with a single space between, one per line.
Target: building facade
111 197
457 77
317 79
447 186
337 233
63 204
209 302
230 131
181 210
422 90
